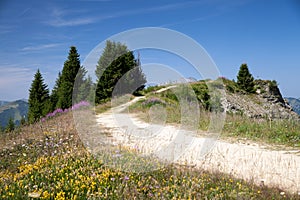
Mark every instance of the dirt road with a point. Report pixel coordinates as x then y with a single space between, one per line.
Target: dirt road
249 162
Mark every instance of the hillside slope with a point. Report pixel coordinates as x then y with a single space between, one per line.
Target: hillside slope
15 110
2 103
251 162
295 104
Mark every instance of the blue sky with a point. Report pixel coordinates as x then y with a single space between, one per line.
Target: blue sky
262 33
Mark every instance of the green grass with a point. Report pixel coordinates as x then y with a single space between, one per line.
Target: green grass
283 132
48 161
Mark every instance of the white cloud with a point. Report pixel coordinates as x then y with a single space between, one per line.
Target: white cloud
4 29
14 82
61 18
40 47
71 22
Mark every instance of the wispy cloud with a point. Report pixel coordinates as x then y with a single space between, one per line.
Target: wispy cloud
218 8
61 18
4 29
72 22
13 73
40 47
13 78
159 8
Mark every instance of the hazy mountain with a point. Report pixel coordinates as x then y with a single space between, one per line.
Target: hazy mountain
295 103
16 110
2 103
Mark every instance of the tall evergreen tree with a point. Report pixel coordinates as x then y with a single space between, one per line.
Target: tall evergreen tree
113 65
83 87
54 94
245 79
68 75
38 98
111 52
10 125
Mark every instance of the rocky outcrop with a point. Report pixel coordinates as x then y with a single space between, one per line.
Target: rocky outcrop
266 103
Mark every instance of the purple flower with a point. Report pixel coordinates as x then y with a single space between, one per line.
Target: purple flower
153 101
117 155
126 178
59 110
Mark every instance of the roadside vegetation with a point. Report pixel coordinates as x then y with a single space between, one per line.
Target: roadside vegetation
237 125
47 160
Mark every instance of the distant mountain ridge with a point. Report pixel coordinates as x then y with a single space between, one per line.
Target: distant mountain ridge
16 110
2 103
295 103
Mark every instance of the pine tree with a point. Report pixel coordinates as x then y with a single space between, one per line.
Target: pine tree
112 67
68 75
132 79
83 87
10 125
23 121
38 98
1 129
54 94
106 76
245 80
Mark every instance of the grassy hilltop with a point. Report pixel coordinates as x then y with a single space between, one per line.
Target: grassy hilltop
47 160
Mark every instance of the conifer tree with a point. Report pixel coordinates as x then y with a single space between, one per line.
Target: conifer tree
245 80
113 64
54 94
68 75
83 87
10 125
38 98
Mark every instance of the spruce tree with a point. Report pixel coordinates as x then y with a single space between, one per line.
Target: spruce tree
68 75
83 87
113 64
54 94
245 80
10 125
38 98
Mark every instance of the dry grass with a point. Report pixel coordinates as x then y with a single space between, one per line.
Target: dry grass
49 161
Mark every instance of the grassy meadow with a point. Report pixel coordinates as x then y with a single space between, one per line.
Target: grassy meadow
47 160
236 126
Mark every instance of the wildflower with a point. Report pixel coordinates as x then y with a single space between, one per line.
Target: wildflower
46 194
112 178
117 155
282 193
126 178
153 101
60 195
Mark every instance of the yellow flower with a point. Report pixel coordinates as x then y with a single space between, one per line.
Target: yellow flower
45 195
60 196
